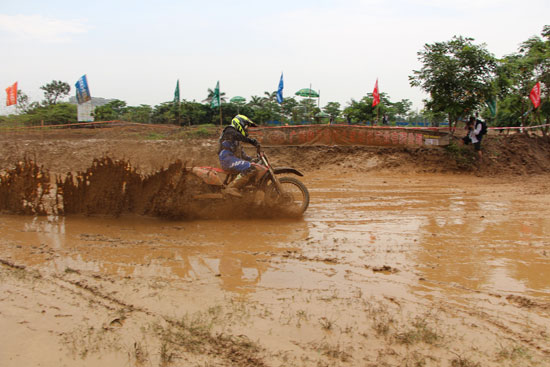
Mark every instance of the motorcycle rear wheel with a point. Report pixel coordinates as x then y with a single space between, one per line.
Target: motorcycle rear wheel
294 199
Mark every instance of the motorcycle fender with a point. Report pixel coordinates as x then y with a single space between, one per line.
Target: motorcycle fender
281 170
208 175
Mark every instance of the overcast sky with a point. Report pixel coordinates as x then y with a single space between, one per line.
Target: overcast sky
136 50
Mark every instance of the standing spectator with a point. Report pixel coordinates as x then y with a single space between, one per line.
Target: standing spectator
385 120
474 135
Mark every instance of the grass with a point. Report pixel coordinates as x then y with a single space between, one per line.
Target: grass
334 352
326 324
196 334
198 132
513 353
155 136
464 156
459 361
420 332
140 354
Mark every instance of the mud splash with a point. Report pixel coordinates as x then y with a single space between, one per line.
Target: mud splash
24 189
110 187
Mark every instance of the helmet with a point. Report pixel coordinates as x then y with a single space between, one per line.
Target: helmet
241 124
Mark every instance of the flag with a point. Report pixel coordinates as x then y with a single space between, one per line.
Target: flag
177 93
11 92
82 90
280 91
492 105
375 95
534 96
216 97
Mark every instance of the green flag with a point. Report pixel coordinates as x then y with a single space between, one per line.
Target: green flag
177 93
492 104
216 97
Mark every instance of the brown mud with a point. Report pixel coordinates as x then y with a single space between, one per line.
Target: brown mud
406 257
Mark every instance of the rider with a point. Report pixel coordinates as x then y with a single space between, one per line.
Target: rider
232 156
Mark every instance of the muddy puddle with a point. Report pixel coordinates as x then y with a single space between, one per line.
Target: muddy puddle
449 238
476 251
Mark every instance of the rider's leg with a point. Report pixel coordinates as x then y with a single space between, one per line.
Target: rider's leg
244 169
243 179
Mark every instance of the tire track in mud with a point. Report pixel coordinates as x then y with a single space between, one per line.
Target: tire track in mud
236 350
507 323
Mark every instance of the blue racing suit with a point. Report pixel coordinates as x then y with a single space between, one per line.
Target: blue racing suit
231 154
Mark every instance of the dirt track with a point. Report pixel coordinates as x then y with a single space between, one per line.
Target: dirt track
401 260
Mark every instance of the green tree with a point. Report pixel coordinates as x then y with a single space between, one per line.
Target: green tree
194 113
55 114
24 105
360 111
536 51
402 108
287 109
333 109
211 95
457 75
113 110
141 113
516 76
55 90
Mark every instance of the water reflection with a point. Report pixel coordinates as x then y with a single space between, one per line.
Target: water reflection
444 230
234 253
450 231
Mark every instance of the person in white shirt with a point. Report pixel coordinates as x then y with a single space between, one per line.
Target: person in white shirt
474 135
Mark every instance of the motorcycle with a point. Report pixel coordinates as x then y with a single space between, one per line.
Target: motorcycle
286 194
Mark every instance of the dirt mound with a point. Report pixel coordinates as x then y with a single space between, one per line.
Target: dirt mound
515 154
152 148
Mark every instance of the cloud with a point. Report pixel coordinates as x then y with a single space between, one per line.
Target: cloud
38 27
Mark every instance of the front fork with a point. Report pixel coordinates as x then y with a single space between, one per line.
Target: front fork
267 169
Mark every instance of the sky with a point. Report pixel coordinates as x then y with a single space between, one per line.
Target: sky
135 51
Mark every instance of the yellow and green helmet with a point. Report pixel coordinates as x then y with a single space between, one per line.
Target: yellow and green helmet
241 124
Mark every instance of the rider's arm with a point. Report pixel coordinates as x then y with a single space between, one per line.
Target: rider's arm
245 156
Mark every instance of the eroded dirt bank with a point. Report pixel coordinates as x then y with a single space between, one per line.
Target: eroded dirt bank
390 266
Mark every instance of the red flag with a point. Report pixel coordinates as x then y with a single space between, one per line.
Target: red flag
534 96
375 95
11 91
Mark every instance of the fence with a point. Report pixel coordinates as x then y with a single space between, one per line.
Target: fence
350 135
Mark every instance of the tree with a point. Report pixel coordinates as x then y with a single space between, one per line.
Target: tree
536 51
457 75
516 76
55 90
211 95
402 108
288 107
141 113
55 114
194 113
23 103
360 111
110 111
333 109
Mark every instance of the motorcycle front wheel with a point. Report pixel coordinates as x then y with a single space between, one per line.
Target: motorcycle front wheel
293 200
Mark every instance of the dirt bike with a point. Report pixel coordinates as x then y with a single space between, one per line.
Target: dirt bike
287 194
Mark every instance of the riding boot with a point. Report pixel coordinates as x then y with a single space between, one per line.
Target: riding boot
234 187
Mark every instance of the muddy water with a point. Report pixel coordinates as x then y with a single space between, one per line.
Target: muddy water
372 255
412 237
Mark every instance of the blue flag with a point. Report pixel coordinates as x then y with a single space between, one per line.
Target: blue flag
82 90
280 90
